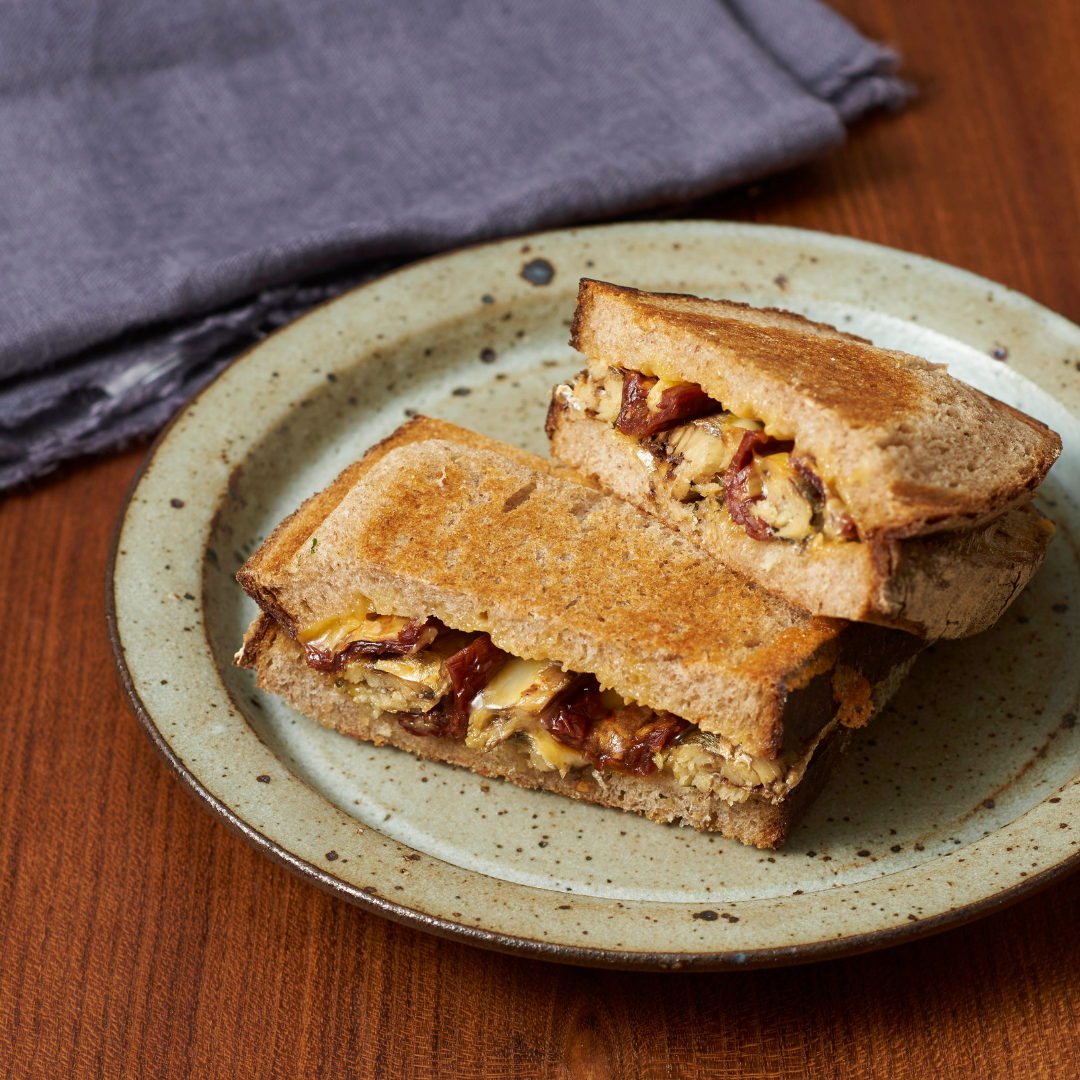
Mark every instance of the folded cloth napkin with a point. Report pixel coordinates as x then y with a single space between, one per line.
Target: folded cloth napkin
169 171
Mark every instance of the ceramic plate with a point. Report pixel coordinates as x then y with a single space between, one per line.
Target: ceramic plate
962 797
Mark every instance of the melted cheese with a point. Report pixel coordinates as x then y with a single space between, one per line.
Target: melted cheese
785 506
659 366
652 400
337 626
551 753
511 705
357 622
613 700
422 668
511 683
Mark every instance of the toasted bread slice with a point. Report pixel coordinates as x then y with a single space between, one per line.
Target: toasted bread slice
945 585
294 534
552 569
909 449
279 664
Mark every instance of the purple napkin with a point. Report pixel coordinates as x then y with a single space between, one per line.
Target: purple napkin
169 171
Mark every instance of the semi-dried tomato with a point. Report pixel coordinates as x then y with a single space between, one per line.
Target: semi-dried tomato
626 740
737 499
470 670
677 405
571 718
444 721
415 635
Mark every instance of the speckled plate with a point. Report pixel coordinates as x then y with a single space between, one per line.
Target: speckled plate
964 796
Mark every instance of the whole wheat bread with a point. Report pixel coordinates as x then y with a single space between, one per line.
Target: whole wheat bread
291 537
908 448
279 664
945 585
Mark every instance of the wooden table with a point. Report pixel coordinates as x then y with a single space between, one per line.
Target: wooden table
140 938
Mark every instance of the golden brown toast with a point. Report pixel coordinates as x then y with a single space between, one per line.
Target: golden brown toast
294 534
948 584
908 448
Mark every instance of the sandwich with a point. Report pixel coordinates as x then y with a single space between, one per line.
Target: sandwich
856 482
472 603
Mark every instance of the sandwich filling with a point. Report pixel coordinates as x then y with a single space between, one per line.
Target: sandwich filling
451 684
710 460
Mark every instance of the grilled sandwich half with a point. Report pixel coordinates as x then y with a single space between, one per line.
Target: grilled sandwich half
854 481
472 603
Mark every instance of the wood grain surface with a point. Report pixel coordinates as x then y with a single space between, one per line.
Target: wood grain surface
140 938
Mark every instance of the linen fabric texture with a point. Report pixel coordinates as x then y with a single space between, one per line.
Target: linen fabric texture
176 180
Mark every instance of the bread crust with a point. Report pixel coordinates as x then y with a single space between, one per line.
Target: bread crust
908 448
279 665
945 585
482 541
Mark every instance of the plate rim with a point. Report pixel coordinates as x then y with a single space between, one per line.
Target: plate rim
514 944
